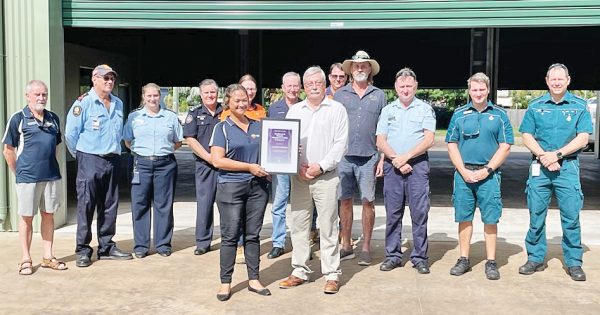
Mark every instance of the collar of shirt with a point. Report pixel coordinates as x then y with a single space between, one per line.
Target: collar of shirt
325 101
96 99
489 106
348 88
218 110
28 114
568 98
412 104
146 112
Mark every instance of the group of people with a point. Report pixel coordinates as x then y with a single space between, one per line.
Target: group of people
349 136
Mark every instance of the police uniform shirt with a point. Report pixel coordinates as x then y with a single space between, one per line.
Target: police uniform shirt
554 125
93 129
404 125
363 115
35 142
238 145
478 134
153 135
199 124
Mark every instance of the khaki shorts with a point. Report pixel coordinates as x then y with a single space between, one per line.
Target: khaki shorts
43 195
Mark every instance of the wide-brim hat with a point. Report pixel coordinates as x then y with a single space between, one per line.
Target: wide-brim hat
360 56
103 70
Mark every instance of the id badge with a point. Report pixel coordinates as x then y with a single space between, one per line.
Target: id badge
95 124
136 177
535 169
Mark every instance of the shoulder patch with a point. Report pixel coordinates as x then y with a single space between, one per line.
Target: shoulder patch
193 108
189 118
76 110
82 96
136 109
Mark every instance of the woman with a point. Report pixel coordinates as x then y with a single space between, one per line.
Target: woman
153 134
255 111
242 189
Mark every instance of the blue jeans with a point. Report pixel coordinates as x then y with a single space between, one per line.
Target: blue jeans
281 194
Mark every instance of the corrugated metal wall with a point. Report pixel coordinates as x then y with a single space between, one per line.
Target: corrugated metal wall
329 14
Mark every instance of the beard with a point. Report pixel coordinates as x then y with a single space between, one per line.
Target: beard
39 107
360 77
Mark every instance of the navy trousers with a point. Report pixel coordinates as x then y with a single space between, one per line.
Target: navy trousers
242 208
97 189
206 189
156 189
397 190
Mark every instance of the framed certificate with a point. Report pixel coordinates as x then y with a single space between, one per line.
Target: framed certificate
280 139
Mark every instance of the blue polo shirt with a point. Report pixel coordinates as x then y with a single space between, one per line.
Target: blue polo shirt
238 145
278 109
554 125
363 114
200 123
479 134
404 125
91 128
152 135
36 143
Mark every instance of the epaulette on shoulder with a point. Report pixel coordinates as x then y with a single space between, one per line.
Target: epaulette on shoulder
579 100
537 99
500 108
82 96
136 109
461 108
193 108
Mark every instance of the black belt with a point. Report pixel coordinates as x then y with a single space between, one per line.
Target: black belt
108 156
560 162
474 167
155 157
422 157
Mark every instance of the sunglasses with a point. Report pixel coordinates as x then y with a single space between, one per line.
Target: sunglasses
107 77
337 77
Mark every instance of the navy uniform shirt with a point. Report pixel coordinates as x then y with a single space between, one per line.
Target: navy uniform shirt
153 135
554 125
35 142
199 124
239 145
479 134
363 115
93 129
278 109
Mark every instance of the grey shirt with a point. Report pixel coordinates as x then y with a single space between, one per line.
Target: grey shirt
363 114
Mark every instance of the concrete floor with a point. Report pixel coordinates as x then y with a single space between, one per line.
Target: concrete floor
184 283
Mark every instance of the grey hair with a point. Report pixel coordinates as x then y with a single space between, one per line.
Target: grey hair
406 72
479 77
312 70
555 66
33 83
290 74
207 82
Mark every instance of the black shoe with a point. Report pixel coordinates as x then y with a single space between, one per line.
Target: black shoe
422 267
274 253
531 267
461 266
165 253
83 260
576 273
491 270
263 291
389 265
115 254
140 255
223 297
201 251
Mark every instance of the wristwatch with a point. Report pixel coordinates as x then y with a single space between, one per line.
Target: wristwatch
488 169
559 155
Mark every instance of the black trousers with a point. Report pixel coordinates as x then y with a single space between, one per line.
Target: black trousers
242 209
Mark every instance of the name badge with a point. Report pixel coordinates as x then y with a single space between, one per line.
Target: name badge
95 124
535 169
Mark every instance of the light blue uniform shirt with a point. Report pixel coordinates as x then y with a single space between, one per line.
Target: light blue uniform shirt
153 135
479 134
404 126
92 129
554 125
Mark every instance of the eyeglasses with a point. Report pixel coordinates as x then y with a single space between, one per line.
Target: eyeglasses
315 84
107 78
251 89
337 77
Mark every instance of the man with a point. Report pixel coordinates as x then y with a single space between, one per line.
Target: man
555 128
479 139
361 164
281 192
405 132
337 79
198 129
34 133
93 135
324 139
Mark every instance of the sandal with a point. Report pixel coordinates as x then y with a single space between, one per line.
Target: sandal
53 263
26 270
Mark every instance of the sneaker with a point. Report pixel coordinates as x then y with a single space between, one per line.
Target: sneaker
364 259
346 254
491 270
461 266
239 255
